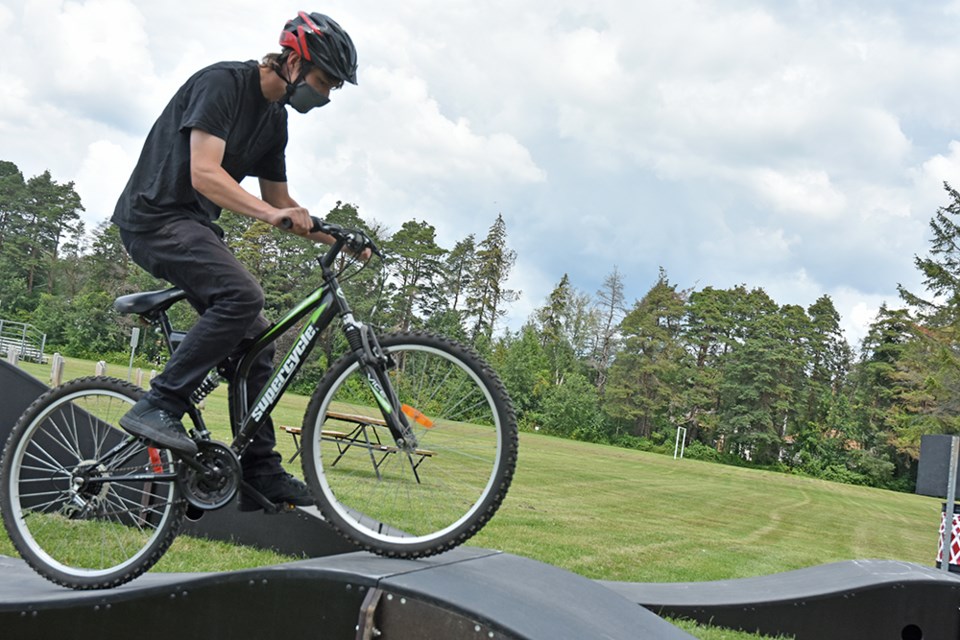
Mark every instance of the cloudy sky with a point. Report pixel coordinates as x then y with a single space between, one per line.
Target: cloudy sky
796 145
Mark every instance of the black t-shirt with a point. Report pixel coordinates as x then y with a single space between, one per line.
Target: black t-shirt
226 101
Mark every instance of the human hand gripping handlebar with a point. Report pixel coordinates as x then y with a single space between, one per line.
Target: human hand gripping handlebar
354 240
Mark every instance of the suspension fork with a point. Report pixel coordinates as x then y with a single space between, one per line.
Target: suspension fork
375 363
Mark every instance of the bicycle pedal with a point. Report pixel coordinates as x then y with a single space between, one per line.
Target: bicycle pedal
253 500
270 510
280 507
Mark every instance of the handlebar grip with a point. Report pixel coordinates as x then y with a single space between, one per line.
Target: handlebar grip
287 223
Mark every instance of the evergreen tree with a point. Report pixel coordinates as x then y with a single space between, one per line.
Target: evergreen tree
941 269
416 267
523 366
708 335
651 363
13 194
927 373
830 354
731 365
760 378
487 293
110 268
610 309
364 284
37 218
829 361
51 215
460 265
880 406
551 322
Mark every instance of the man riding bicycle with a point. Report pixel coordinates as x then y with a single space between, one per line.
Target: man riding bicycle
226 123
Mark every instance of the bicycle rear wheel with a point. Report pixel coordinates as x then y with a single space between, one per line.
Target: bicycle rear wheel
440 491
85 504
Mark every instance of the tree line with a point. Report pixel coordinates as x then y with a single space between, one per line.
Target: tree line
749 380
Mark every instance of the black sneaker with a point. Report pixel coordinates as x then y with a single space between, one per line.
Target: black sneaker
152 423
279 489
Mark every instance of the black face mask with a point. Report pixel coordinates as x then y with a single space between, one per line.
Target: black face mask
301 96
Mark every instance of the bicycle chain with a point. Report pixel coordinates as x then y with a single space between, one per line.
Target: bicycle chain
144 467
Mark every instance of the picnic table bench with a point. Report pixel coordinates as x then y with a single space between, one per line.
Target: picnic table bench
363 434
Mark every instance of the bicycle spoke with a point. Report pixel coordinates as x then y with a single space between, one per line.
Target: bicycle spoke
54 463
70 447
411 498
82 504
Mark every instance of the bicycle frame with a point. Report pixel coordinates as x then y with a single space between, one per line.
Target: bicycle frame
322 306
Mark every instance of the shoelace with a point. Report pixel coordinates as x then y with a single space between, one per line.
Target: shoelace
170 422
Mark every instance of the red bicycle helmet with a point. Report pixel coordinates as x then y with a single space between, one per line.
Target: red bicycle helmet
319 40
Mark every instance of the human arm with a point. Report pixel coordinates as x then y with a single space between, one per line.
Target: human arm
276 194
208 177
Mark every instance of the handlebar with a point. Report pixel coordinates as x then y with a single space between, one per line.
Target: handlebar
353 239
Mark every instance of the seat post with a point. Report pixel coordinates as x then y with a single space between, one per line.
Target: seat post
171 337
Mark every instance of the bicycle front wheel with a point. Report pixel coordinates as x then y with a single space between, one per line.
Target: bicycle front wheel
423 497
85 504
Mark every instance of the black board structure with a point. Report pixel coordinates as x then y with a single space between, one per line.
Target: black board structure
466 593
478 593
868 599
933 470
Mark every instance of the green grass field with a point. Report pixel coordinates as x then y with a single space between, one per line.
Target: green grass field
616 514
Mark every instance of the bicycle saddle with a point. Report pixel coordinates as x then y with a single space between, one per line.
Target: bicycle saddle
148 303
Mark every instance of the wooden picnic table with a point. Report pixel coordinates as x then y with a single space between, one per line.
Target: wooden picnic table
364 434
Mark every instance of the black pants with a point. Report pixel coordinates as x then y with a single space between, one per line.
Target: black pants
193 257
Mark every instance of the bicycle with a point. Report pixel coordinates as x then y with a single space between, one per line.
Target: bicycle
431 455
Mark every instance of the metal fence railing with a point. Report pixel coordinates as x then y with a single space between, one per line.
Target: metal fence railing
25 338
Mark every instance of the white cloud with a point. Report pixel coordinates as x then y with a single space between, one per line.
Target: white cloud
749 248
96 179
937 170
427 144
13 99
857 312
804 192
6 18
534 284
393 149
95 58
